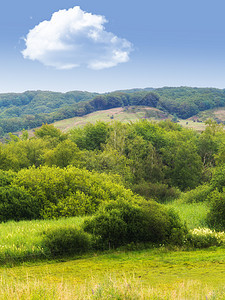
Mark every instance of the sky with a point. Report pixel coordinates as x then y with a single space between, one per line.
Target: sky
101 46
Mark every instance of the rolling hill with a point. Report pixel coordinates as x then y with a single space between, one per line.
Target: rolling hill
33 108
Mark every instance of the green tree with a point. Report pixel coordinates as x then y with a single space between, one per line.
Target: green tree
91 137
187 170
64 154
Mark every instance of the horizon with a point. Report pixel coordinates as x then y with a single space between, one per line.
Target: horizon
112 91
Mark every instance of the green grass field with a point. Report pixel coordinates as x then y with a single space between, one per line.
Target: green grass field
157 273
21 241
147 274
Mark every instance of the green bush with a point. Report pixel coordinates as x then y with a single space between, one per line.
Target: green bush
218 179
204 238
17 204
66 241
199 194
120 222
6 177
70 191
216 215
158 191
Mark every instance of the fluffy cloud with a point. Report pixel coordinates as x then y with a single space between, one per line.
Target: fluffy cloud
74 37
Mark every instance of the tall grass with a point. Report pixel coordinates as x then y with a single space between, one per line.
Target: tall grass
110 288
21 241
194 214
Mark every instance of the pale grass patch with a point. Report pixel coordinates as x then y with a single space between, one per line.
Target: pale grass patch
111 288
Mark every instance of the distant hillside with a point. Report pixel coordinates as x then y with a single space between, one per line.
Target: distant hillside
186 102
33 108
38 102
127 114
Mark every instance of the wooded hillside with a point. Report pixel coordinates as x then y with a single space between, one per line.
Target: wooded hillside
33 108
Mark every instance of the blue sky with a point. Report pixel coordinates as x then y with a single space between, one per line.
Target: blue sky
143 44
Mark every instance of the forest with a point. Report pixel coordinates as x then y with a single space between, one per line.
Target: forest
33 108
120 175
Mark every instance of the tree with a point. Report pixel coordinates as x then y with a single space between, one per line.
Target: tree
187 170
64 154
92 136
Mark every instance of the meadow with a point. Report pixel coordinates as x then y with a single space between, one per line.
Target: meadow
145 274
131 272
22 241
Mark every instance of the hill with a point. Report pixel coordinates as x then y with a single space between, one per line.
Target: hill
127 114
33 108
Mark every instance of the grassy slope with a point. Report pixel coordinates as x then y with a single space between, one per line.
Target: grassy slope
130 114
215 114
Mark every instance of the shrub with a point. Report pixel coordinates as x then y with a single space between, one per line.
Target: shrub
177 231
17 204
70 191
66 241
218 179
216 215
6 177
120 222
158 191
199 194
204 238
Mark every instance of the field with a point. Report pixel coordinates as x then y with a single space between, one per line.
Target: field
147 274
127 273
125 115
21 241
128 114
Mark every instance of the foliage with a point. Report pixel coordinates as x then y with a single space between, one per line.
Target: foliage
121 222
69 191
199 194
159 191
218 179
17 204
64 154
91 137
216 215
66 241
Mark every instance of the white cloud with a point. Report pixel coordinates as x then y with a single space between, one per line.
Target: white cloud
73 38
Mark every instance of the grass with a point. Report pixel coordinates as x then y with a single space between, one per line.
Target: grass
156 273
147 274
190 124
20 241
126 115
194 214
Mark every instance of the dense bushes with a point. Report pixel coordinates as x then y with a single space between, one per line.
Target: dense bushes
120 222
66 241
216 215
18 204
200 194
158 191
52 192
